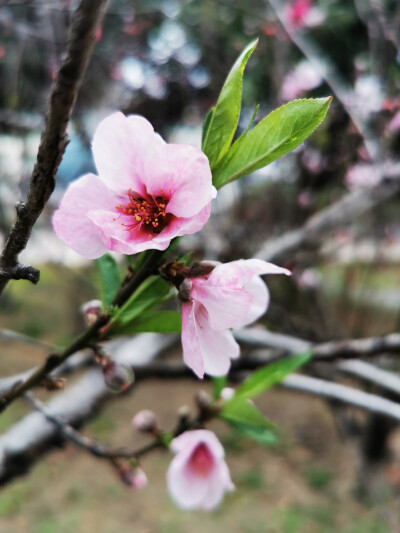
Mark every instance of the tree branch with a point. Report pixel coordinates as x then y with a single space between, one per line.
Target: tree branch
340 214
86 20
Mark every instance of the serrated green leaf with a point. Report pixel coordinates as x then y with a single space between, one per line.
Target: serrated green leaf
151 321
258 434
268 376
109 278
241 411
220 125
277 134
218 383
151 293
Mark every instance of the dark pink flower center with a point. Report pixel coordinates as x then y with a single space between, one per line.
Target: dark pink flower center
147 213
201 461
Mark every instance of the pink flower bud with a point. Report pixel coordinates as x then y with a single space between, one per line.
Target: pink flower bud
133 477
145 421
198 476
118 378
91 311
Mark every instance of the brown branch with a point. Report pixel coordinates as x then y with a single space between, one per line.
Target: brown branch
86 20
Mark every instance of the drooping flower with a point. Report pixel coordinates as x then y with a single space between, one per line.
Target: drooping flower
198 475
230 295
147 192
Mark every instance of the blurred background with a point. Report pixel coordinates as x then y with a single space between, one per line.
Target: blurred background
334 468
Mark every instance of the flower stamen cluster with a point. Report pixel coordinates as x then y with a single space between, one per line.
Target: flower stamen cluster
148 214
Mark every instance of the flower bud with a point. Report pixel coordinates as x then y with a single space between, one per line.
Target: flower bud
133 477
91 311
203 400
145 421
118 378
227 393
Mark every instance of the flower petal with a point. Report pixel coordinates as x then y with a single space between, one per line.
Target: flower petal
185 172
121 147
186 489
219 483
259 304
225 305
217 348
190 339
71 222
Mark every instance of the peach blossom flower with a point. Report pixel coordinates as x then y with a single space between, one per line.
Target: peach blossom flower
232 295
198 475
147 192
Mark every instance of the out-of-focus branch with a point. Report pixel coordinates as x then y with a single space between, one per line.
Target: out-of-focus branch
86 20
344 394
27 440
333 217
94 447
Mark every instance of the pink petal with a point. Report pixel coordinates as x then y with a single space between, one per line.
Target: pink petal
71 222
185 172
187 490
190 342
225 305
219 483
190 439
253 267
121 148
260 300
217 348
120 239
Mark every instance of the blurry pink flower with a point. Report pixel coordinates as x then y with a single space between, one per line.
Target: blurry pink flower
232 295
362 175
300 13
147 192
303 78
394 124
198 476
145 420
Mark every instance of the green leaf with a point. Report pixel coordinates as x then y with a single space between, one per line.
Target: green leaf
270 375
151 321
206 125
277 134
151 293
258 434
241 411
221 122
109 278
218 384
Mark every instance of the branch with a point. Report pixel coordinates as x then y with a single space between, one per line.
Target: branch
27 440
86 20
344 394
340 214
88 337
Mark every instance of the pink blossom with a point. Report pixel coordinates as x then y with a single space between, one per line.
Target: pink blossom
232 295
300 13
303 78
147 192
362 175
198 476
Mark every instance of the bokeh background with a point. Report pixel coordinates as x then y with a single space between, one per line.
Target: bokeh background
167 60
